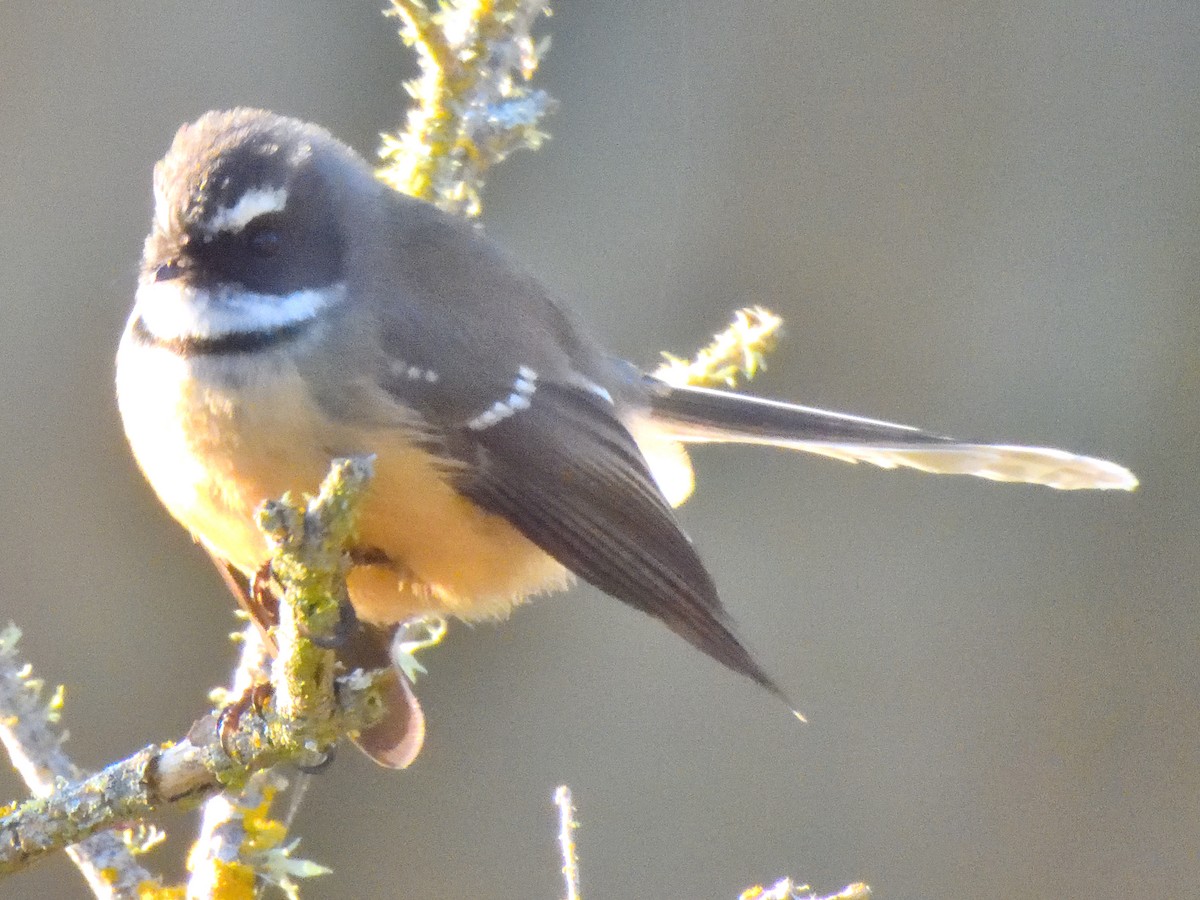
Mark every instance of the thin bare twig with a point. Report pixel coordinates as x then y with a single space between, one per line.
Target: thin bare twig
566 841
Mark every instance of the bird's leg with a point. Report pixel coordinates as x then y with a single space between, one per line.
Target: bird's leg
262 603
255 596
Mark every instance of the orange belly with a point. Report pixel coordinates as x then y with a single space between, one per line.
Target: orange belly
215 448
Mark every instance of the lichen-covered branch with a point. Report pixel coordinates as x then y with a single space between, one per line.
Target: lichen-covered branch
309 560
319 710
217 848
33 742
240 843
473 104
164 775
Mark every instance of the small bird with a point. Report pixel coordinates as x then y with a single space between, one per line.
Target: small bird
291 309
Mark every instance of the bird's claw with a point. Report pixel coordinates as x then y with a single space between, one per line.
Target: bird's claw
255 697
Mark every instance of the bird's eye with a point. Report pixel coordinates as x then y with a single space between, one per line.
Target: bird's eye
263 240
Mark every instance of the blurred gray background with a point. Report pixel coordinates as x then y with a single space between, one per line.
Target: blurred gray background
981 218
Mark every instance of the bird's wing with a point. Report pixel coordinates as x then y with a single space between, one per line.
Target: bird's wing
504 387
568 475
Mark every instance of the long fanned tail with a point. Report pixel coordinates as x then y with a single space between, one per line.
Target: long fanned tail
704 415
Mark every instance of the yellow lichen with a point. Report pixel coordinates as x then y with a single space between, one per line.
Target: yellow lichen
154 891
735 353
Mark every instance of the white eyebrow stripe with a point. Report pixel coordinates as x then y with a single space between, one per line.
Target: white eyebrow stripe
171 310
252 204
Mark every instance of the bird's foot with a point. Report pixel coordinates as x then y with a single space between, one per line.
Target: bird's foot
255 697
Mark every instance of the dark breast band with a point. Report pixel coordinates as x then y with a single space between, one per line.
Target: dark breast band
222 345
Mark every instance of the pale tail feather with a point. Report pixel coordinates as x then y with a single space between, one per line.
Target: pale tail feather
701 415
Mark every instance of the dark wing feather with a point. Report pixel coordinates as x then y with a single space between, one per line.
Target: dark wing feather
458 324
569 476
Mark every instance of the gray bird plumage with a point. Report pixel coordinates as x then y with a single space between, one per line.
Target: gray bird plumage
280 271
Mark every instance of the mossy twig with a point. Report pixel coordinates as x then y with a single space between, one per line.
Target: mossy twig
473 102
737 352
240 843
319 707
